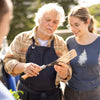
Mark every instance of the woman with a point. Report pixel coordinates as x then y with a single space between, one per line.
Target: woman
85 81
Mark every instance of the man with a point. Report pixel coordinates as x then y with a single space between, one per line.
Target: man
6 14
32 49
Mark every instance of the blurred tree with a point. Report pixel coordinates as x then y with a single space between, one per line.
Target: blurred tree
95 11
24 13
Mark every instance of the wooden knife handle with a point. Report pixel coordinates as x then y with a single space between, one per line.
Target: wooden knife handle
24 76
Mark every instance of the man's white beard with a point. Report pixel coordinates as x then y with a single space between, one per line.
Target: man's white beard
45 33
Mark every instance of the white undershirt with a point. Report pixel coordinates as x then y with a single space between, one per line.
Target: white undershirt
43 42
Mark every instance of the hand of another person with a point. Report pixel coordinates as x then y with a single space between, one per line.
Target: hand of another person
32 69
62 69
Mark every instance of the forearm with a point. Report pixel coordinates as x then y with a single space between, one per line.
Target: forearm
19 68
68 74
65 77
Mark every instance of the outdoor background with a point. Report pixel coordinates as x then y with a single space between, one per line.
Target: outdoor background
24 13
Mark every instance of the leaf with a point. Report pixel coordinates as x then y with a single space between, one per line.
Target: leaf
16 94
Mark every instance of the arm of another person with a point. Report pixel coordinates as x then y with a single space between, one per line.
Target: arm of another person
4 93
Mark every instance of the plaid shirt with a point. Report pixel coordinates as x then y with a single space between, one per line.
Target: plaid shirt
19 46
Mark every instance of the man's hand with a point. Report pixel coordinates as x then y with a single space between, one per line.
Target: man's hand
62 70
32 69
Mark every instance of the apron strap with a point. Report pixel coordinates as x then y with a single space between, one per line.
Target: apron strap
33 40
52 43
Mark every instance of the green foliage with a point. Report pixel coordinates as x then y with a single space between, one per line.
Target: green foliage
95 11
16 94
24 13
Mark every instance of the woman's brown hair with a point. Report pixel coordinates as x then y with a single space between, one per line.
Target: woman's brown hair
83 14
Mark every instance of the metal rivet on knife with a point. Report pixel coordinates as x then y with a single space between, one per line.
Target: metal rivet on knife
33 47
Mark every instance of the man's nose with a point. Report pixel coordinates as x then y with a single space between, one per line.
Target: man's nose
51 23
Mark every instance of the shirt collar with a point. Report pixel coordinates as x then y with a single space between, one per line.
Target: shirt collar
33 35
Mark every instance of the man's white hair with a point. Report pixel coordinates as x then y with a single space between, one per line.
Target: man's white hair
48 7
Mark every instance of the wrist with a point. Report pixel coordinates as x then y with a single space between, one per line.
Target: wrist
66 75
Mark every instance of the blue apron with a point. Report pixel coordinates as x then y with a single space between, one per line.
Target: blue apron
41 87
